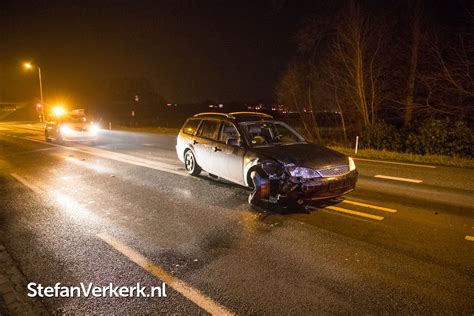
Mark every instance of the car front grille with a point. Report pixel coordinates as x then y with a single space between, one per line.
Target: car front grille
334 171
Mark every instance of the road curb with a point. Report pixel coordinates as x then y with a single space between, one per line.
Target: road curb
13 299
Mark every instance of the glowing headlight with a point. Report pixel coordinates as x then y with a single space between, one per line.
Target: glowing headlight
65 130
352 165
94 128
305 173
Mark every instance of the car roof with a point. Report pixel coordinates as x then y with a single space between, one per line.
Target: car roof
236 116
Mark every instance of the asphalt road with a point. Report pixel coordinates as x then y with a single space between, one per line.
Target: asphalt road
124 211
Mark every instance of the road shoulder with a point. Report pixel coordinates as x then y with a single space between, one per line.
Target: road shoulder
13 299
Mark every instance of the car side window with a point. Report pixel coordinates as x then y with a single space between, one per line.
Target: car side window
191 126
228 131
209 129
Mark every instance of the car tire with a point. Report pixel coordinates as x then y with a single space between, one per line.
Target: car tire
190 163
46 137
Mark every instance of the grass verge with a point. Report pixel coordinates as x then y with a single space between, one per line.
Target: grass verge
362 153
406 157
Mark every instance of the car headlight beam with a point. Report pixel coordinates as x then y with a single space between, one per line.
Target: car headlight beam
94 128
65 130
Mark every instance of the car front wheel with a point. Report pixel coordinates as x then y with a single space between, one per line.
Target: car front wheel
46 137
190 164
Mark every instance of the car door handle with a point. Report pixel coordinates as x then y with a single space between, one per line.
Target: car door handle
216 149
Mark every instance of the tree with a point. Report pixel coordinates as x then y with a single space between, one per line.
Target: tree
355 63
414 48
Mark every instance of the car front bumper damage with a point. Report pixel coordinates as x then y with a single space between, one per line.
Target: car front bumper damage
291 189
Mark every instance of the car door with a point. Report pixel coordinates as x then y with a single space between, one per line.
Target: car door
229 153
205 144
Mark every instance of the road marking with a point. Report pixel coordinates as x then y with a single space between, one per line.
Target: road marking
470 238
398 179
183 288
343 210
397 163
375 207
133 160
26 183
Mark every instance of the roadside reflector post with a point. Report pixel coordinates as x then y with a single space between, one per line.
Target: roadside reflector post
110 126
357 145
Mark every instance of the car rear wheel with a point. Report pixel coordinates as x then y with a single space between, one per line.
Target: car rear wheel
190 164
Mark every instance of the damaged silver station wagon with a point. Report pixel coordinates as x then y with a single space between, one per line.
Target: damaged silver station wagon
254 150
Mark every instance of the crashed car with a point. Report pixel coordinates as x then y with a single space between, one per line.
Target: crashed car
254 150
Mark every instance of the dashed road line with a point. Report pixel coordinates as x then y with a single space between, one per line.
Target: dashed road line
26 183
397 163
351 212
398 179
183 288
470 238
375 207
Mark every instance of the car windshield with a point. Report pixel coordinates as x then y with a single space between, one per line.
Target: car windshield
266 133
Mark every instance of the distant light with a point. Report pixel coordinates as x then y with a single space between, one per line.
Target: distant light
221 106
39 105
59 110
27 65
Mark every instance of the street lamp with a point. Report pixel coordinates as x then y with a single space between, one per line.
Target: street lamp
29 66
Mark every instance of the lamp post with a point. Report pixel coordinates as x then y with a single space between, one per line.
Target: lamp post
28 66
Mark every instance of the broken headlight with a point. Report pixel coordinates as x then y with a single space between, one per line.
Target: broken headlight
301 172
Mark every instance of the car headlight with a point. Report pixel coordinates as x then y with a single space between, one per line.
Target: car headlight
305 173
65 130
352 165
94 129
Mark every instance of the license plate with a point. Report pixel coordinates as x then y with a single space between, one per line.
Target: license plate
336 185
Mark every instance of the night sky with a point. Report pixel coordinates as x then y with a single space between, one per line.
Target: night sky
189 50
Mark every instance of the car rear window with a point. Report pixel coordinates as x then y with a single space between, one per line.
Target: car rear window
191 126
209 129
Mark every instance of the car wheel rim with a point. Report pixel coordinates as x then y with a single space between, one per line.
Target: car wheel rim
189 162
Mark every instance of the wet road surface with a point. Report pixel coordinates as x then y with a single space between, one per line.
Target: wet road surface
78 213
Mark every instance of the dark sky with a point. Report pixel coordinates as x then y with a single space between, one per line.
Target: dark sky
189 50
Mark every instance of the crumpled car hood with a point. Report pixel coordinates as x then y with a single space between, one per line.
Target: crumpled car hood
302 155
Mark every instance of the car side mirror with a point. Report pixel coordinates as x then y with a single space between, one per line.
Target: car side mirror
233 142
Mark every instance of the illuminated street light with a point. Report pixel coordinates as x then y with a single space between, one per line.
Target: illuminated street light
59 110
29 66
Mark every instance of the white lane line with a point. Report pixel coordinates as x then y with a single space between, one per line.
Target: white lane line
183 288
470 238
375 207
148 145
398 179
133 160
397 163
26 183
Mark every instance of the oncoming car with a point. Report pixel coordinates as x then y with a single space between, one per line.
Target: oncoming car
70 126
254 150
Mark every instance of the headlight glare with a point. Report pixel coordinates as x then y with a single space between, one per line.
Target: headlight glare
352 165
94 129
65 130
